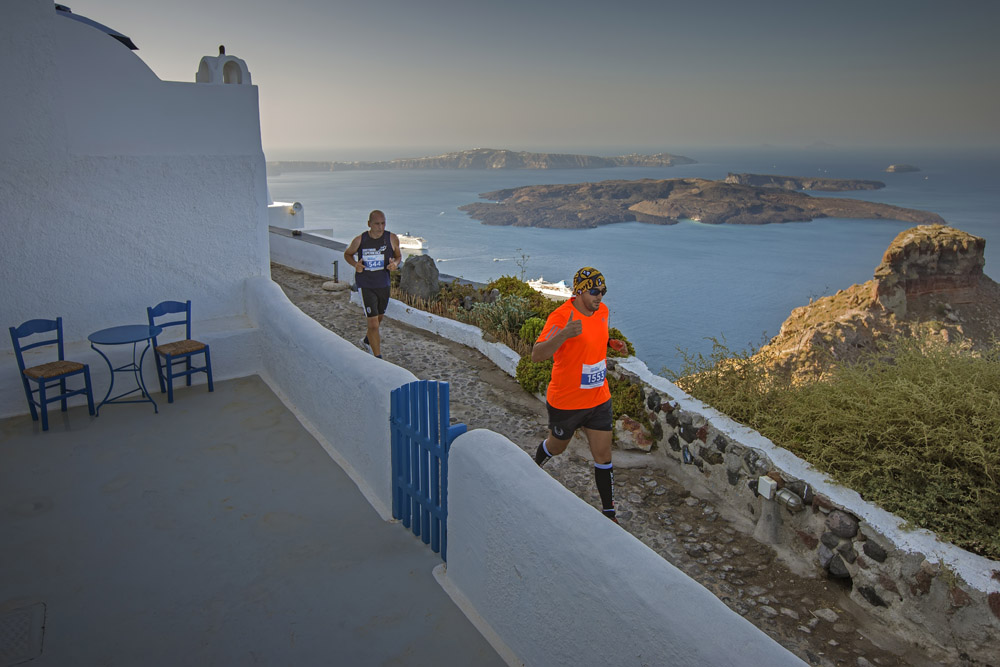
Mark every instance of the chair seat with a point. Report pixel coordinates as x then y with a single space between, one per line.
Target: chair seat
178 355
53 369
179 347
50 377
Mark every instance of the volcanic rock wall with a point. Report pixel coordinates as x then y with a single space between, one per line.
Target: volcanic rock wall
929 260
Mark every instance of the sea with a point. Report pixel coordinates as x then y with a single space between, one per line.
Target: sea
672 289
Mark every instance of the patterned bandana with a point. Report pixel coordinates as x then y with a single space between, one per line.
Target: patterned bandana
588 278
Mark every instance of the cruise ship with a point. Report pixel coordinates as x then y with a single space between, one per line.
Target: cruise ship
557 290
408 242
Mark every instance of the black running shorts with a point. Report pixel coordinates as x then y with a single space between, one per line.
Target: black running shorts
563 423
375 299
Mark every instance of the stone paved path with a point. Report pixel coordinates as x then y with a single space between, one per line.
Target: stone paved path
810 616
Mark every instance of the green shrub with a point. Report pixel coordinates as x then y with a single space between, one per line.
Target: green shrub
511 285
506 315
914 428
531 329
534 377
540 305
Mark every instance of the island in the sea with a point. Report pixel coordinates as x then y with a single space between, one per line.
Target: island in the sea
667 202
901 168
488 158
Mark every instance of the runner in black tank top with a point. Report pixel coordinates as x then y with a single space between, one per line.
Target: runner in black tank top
373 254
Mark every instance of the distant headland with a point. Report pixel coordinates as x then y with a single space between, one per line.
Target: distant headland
488 158
667 202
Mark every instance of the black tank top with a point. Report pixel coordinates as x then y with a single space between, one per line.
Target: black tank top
375 254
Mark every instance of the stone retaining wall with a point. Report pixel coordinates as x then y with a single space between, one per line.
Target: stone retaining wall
909 579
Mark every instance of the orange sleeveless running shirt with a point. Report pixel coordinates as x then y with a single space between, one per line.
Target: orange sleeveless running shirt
579 365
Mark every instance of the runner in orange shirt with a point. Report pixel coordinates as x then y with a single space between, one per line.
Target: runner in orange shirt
575 337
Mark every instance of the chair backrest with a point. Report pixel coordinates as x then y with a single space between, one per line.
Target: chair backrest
32 327
165 308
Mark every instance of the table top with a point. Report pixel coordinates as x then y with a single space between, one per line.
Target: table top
127 333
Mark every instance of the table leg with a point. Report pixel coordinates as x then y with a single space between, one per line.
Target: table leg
142 383
111 370
136 369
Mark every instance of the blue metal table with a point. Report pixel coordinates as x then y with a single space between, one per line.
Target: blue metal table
124 335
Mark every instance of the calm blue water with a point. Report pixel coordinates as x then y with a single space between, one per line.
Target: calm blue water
673 286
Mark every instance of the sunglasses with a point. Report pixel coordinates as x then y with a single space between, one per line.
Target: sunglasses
594 291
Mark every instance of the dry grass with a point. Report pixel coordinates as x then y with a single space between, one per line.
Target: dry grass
914 429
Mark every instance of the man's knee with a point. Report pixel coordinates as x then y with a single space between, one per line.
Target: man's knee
600 445
555 445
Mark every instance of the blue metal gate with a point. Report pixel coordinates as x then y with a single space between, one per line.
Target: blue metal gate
421 436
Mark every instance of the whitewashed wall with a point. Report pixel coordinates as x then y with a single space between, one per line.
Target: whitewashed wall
289 215
550 581
339 392
118 190
300 252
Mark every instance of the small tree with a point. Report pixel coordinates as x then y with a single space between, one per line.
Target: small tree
522 263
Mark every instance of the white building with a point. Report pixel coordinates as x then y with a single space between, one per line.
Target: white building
119 190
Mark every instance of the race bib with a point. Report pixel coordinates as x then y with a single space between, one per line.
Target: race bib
593 375
373 259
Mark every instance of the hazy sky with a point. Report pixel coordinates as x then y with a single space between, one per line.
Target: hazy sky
346 76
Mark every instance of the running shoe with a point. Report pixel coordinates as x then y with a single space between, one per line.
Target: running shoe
365 346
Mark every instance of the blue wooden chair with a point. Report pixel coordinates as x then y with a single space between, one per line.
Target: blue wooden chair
48 375
170 355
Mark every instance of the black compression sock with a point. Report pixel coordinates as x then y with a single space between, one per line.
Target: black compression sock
542 454
604 475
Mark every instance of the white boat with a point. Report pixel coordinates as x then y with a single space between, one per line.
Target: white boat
554 290
411 242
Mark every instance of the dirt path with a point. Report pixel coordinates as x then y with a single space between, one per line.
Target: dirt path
811 616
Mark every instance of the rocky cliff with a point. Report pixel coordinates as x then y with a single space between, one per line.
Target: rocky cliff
930 281
668 201
489 158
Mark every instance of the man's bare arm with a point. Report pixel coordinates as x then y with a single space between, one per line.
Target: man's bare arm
351 251
397 256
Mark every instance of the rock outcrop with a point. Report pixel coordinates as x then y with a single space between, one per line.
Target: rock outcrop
419 277
489 158
668 201
930 281
796 183
929 261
